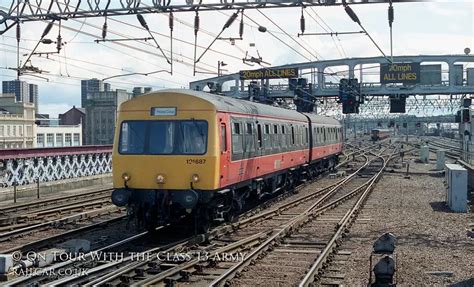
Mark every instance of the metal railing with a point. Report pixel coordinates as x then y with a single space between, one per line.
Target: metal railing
28 166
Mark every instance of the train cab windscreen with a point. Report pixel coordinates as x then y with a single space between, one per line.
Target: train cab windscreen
188 137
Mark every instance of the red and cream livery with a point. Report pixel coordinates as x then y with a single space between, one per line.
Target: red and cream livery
184 151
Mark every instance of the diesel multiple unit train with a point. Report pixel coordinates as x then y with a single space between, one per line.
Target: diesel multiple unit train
188 154
380 134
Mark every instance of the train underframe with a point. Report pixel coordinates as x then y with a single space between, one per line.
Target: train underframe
152 208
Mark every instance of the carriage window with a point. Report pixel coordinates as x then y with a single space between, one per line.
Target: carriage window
267 129
237 128
259 135
281 140
237 138
249 128
275 136
293 135
300 135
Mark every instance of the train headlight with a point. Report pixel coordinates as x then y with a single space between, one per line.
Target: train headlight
126 177
195 178
160 178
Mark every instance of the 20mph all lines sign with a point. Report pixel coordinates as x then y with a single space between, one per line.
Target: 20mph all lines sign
406 73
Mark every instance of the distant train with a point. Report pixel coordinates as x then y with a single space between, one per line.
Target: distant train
380 134
184 153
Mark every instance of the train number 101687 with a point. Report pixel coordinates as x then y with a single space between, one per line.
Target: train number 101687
195 161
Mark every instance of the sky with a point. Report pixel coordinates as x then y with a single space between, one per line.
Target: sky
440 27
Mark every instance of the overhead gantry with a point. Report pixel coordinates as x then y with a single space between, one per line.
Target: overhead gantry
438 75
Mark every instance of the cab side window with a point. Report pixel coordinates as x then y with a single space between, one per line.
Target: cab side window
223 138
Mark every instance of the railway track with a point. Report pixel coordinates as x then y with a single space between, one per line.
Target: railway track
309 237
16 238
243 236
36 220
216 233
36 244
17 216
36 224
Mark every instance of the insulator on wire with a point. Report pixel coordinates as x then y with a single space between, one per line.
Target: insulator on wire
18 32
171 21
47 29
302 22
352 14
241 26
59 43
196 23
104 30
390 15
231 20
142 21
47 41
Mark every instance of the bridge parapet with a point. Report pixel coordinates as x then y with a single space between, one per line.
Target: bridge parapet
27 166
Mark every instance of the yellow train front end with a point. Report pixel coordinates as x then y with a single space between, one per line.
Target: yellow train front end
166 156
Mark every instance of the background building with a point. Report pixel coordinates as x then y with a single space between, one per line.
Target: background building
101 115
58 136
137 91
33 95
17 123
91 86
42 119
75 116
20 89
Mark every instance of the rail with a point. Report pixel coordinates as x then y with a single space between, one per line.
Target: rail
291 225
343 225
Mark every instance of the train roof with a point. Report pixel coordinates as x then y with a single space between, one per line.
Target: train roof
381 130
323 119
233 105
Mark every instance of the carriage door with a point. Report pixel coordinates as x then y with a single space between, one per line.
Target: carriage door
225 155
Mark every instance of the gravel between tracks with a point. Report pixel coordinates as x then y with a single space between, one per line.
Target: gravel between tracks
429 236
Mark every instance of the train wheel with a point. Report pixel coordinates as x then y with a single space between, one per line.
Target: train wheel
202 221
233 213
290 183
